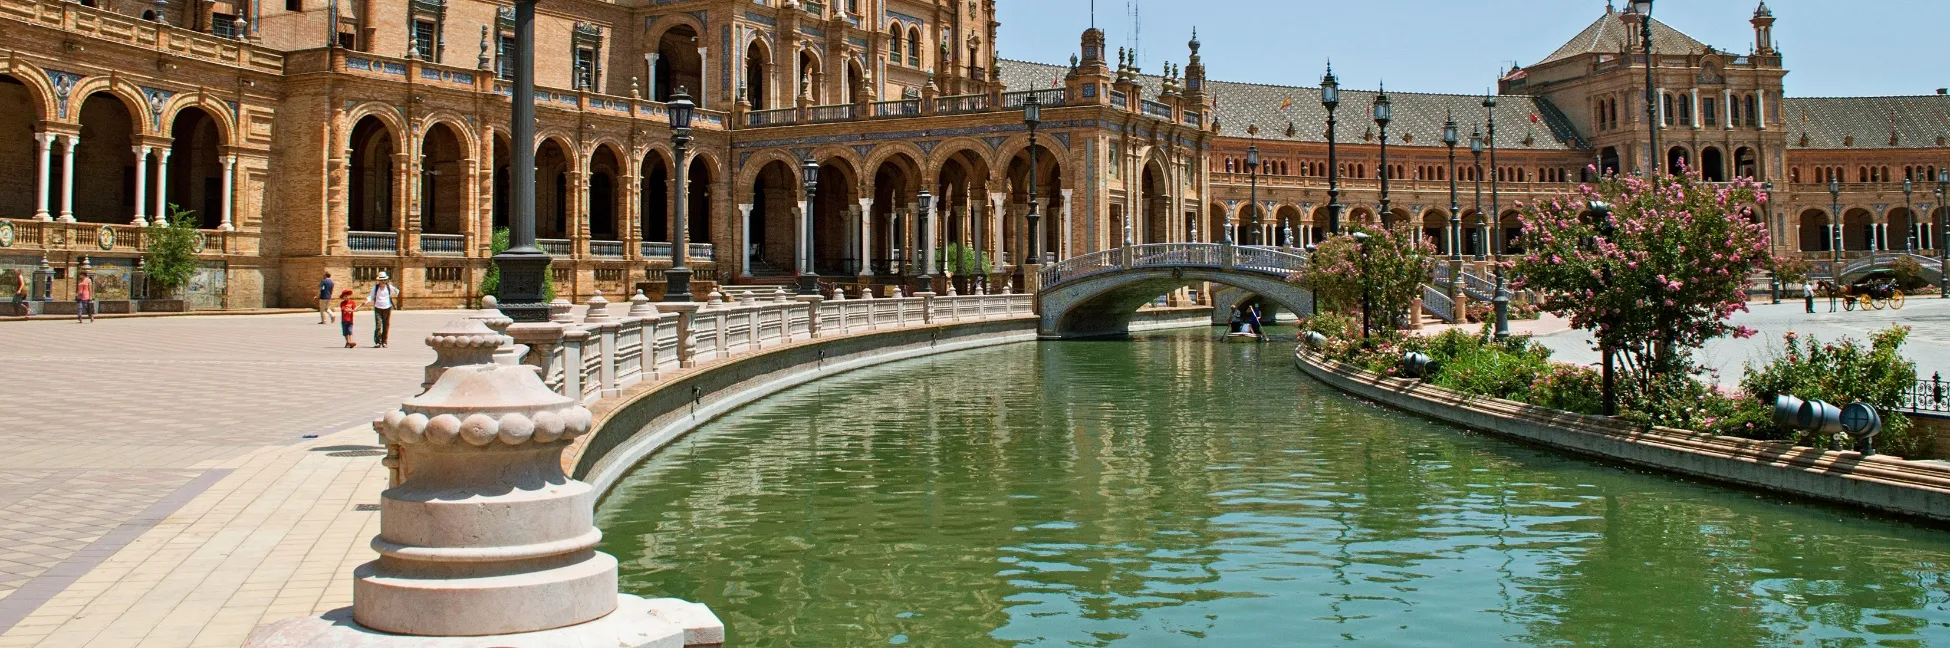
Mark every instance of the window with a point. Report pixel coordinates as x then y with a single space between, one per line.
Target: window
223 25
585 72
914 47
1668 116
504 57
1685 111
1706 112
294 5
894 35
425 34
1753 116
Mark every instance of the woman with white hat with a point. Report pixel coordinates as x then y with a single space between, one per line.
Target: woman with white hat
381 299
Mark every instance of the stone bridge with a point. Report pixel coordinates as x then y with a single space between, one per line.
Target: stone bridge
1863 267
1095 295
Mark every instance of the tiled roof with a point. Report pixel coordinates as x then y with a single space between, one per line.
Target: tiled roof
1916 122
1418 115
1607 34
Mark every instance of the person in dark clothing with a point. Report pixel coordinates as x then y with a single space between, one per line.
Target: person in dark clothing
1808 293
325 299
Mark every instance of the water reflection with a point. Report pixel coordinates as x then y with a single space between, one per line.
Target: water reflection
1173 490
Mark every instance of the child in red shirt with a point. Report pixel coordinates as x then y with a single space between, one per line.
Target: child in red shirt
346 308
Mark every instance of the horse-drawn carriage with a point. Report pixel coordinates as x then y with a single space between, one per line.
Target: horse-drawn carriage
1874 292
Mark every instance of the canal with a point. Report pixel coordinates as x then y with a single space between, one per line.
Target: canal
1172 490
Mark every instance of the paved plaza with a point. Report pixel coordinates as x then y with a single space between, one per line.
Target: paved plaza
1928 346
161 492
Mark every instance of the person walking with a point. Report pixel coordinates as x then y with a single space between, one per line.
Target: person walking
20 294
381 299
325 299
84 300
346 308
1808 294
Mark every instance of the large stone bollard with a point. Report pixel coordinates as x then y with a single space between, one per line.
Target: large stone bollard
487 543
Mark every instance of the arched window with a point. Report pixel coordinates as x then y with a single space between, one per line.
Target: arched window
1668 110
894 37
1753 115
914 47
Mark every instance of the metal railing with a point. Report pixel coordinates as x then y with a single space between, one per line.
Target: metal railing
1478 286
1047 97
703 251
611 249
901 108
1263 260
1927 396
833 113
1438 303
372 242
559 248
772 117
654 249
1156 109
443 244
961 104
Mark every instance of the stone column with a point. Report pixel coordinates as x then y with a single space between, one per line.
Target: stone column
1694 108
998 210
866 238
1659 107
486 536
160 217
43 153
141 185
1726 99
229 192
67 177
745 240
1069 226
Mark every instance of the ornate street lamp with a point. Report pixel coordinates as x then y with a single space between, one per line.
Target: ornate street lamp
1909 239
1367 298
924 203
808 280
1330 98
1476 162
1644 10
1835 226
524 267
1032 115
1383 113
1501 299
1449 138
1252 167
677 280
1943 231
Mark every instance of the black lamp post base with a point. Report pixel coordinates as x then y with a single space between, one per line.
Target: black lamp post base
677 285
524 275
809 284
924 284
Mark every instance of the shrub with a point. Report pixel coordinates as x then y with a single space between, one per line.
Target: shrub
171 258
1391 274
1841 373
1908 273
1491 370
491 284
1570 388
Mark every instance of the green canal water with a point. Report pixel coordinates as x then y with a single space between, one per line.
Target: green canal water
1172 490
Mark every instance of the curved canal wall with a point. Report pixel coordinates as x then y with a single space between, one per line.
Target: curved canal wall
1913 489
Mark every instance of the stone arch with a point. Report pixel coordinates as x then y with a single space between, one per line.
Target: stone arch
555 166
1712 164
1287 220
501 156
120 89
384 114
702 180
1812 230
1050 178
834 224
772 231
884 152
895 180
20 110
39 91
678 63
757 75
196 154
752 167
444 161
654 176
217 111
1856 222
1101 305
830 152
564 138
463 133
960 146
1679 160
1215 223
605 193
1433 225
373 198
810 68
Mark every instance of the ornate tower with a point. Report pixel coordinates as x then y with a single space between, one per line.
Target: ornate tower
1763 29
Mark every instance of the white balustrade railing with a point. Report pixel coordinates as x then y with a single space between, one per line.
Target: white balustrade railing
600 357
1438 302
1265 260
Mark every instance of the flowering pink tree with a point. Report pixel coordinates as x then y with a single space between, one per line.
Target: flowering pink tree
1392 273
1657 281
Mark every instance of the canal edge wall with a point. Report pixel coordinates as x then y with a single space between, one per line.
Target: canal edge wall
636 425
1911 489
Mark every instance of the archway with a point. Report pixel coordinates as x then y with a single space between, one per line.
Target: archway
895 246
1934 233
810 77
372 196
678 65
1745 165
1813 231
1857 230
758 63
1712 166
605 200
1287 228
773 222
1102 305
856 83
1678 161
1473 241
1608 161
701 178
1215 228
1435 228
1049 195
1251 226
19 193
653 179
442 177
552 190
961 188
195 179
1509 230
835 229
1900 232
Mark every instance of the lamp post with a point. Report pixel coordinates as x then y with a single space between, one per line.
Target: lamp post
1501 300
1252 167
677 280
1476 163
1943 231
1330 98
1449 137
809 280
1601 213
1909 240
1835 226
1313 301
1383 112
924 203
1367 298
1032 115
523 266
1644 9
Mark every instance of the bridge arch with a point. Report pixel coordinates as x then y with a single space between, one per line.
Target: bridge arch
1095 295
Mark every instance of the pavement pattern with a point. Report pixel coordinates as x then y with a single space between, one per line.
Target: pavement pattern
160 491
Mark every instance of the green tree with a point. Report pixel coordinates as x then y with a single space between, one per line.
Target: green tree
171 257
964 261
491 284
1391 274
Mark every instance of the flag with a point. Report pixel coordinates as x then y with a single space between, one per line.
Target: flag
1287 104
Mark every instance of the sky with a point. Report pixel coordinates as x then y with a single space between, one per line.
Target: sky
1846 48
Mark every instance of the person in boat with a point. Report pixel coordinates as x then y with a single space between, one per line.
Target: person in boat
1252 321
1234 324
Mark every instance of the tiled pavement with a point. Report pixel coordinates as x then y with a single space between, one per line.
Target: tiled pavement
158 491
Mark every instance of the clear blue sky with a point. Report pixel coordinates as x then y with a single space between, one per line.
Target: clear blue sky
1833 48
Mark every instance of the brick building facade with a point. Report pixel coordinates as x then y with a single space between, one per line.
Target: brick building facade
359 136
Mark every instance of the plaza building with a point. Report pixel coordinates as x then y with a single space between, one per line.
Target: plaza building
358 137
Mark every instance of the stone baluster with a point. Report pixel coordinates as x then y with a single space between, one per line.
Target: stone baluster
561 311
574 343
646 316
602 329
486 537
